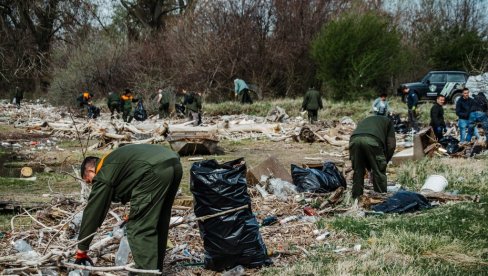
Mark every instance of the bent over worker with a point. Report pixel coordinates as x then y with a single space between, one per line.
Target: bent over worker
371 147
146 175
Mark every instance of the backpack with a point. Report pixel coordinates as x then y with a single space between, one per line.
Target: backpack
140 113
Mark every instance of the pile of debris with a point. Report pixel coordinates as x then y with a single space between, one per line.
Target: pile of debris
289 224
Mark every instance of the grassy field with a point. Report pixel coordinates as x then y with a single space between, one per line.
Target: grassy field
451 239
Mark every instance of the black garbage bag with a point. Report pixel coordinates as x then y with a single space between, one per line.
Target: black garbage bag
399 125
450 143
327 179
403 202
140 113
231 239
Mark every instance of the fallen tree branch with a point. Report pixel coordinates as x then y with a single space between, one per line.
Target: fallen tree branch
111 268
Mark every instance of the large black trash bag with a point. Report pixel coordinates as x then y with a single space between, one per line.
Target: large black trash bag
403 202
450 143
140 113
327 179
231 239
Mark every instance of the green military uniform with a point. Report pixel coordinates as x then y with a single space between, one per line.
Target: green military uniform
371 147
312 102
113 102
148 176
164 103
193 107
127 111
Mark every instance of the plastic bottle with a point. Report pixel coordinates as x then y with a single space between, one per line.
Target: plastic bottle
22 246
123 252
118 232
288 219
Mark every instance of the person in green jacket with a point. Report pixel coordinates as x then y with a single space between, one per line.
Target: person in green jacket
164 99
312 102
113 103
193 105
371 147
147 176
127 100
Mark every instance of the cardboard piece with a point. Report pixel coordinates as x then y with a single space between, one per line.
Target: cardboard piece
422 140
270 166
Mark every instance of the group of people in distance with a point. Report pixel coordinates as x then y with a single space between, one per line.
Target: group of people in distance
190 106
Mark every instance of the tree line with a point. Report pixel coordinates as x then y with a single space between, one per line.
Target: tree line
346 48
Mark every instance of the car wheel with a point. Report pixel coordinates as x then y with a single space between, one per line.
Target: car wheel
455 98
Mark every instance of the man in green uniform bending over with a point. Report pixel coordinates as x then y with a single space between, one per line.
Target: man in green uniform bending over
371 147
146 175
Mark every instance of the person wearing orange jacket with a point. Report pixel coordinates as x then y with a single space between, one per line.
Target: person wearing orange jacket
127 99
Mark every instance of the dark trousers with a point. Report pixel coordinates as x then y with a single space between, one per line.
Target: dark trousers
438 131
114 107
127 115
367 153
17 101
312 115
412 119
246 97
163 110
150 213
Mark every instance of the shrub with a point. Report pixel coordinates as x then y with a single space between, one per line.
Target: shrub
357 53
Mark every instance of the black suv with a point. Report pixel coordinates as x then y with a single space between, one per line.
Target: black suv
435 82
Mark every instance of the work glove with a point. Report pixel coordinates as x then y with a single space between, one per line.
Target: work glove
375 109
81 258
413 108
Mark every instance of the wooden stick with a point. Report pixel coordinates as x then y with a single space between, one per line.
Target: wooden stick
111 268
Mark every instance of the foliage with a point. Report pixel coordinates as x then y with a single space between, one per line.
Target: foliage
99 64
355 53
448 49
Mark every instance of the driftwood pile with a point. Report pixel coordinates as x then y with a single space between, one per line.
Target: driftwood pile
104 132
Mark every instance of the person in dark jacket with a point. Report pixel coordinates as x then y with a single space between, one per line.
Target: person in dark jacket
437 117
148 177
193 104
312 102
19 96
371 147
463 108
477 115
412 102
